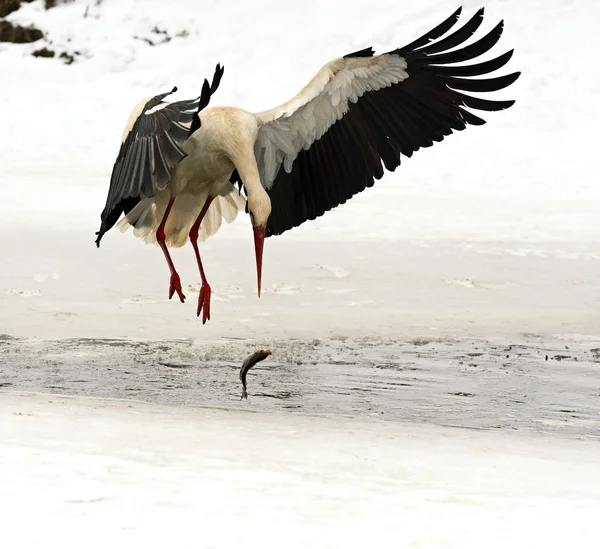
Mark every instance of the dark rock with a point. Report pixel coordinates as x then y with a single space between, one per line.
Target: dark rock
17 34
44 52
8 6
68 58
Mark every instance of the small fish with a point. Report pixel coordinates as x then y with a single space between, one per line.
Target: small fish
253 359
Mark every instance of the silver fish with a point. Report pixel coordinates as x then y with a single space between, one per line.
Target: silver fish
253 359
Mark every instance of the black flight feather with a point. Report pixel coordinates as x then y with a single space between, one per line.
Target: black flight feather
151 150
392 121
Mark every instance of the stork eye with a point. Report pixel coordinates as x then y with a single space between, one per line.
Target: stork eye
251 217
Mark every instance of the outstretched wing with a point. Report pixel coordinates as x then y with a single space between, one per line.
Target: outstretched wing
151 149
328 143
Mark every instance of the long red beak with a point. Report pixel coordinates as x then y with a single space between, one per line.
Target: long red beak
259 240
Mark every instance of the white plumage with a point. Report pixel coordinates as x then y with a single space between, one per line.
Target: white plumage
175 175
185 211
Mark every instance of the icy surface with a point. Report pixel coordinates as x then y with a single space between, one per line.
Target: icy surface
538 386
99 473
425 304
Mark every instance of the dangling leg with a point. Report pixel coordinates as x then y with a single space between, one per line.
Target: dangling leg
175 285
204 297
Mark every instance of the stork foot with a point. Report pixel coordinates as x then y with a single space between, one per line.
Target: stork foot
175 286
204 303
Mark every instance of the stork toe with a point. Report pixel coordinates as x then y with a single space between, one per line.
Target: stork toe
175 286
204 303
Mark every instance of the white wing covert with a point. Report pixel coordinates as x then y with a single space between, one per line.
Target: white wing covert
297 124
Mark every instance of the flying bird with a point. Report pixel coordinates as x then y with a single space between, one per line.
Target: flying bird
182 167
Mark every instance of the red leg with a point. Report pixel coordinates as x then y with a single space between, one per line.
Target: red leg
204 297
175 284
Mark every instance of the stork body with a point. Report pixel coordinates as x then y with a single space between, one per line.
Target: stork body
179 162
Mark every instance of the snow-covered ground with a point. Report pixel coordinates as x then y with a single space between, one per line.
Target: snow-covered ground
485 243
100 473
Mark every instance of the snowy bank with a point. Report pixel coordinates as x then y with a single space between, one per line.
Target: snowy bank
98 473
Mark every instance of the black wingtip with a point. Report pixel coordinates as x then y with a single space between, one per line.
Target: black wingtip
219 70
367 52
455 15
204 95
432 35
100 235
174 89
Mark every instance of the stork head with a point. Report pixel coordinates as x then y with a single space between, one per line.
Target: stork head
259 210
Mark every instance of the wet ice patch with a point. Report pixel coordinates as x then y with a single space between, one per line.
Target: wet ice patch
465 282
221 293
23 293
485 285
65 314
359 303
285 289
138 299
329 271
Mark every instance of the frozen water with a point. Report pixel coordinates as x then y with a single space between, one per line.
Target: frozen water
408 395
474 384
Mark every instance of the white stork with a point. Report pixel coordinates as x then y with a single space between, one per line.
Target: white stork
176 171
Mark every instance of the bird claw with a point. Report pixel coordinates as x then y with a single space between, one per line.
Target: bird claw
175 286
204 303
